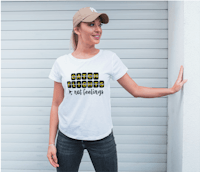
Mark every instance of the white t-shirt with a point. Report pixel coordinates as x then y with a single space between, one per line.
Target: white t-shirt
85 112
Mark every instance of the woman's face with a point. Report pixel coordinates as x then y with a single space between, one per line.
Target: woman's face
88 31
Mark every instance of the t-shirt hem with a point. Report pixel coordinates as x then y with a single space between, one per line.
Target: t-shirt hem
89 138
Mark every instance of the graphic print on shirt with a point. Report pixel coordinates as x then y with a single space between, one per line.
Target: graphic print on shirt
80 82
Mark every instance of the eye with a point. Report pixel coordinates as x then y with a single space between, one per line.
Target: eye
93 24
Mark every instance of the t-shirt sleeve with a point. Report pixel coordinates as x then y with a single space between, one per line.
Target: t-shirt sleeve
118 68
55 72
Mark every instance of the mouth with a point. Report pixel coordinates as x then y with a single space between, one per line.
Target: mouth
96 36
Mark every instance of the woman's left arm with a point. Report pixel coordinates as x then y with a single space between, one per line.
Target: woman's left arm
147 92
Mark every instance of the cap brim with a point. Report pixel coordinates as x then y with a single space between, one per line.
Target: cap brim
104 16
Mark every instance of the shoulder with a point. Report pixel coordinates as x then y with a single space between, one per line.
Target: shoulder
61 59
108 53
112 55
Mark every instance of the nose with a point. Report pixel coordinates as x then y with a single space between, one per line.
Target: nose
98 28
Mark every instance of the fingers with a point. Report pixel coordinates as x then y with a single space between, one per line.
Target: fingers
55 159
51 160
180 76
184 81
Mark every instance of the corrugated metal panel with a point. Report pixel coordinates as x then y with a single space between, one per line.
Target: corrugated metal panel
34 34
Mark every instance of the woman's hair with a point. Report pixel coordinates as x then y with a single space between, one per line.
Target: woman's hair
74 36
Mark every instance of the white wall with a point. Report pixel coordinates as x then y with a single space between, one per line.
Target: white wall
183 106
175 60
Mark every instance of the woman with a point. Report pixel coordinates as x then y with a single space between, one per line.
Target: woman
81 100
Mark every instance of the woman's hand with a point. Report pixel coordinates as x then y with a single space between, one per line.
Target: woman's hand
179 82
52 152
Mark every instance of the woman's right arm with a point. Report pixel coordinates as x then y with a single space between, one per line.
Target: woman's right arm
58 96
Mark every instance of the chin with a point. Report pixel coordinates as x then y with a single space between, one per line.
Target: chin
96 41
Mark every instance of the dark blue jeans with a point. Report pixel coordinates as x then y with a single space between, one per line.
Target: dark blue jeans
103 153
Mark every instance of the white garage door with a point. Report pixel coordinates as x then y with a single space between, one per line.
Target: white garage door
34 34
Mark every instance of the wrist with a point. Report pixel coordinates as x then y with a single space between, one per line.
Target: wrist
171 90
52 144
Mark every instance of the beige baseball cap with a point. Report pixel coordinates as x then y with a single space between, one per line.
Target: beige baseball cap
88 14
